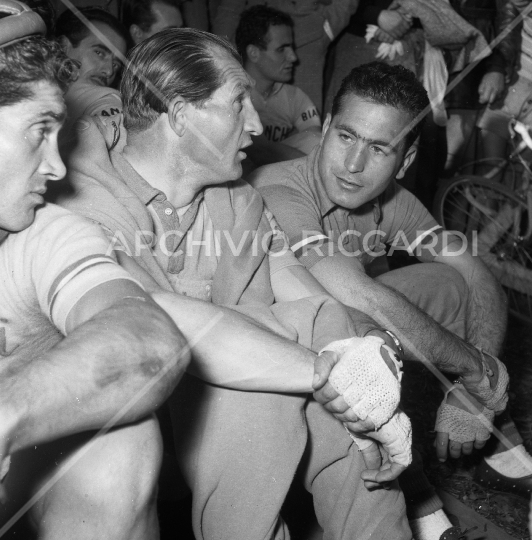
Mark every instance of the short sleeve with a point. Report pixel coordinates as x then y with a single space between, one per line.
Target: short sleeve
306 113
300 221
66 249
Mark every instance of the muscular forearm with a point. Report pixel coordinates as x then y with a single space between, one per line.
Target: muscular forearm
422 338
486 308
231 350
117 367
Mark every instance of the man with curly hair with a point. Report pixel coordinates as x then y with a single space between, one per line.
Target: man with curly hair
82 346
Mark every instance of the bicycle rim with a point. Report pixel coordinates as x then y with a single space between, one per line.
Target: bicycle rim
494 220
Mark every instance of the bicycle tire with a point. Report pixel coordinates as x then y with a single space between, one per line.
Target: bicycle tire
493 216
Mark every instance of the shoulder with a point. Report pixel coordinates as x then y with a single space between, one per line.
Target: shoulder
291 173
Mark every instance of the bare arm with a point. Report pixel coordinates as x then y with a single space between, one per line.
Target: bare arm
486 308
421 336
237 352
121 358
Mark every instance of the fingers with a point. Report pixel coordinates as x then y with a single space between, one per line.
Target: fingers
455 449
326 394
322 368
388 473
371 456
362 426
441 442
479 444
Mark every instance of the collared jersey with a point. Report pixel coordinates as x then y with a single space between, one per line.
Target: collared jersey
45 270
286 111
318 228
200 249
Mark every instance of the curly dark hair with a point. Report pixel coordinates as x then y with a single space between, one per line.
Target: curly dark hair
386 85
254 25
30 61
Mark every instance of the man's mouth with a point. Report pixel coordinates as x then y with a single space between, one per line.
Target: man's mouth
348 184
101 81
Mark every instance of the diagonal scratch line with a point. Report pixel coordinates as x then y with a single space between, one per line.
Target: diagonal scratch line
458 79
110 424
205 141
382 319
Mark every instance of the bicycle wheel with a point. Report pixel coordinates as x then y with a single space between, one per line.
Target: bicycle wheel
495 221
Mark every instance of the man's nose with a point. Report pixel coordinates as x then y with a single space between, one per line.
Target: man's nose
291 55
52 166
355 159
252 123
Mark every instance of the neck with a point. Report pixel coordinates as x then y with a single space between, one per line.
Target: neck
152 156
263 86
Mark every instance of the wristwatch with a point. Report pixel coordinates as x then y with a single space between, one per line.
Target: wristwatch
396 341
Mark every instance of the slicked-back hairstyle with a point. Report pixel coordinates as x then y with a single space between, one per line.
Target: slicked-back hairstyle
254 25
387 85
140 12
173 62
29 61
70 26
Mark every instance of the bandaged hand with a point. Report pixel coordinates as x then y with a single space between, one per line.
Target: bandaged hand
395 438
491 390
363 379
462 424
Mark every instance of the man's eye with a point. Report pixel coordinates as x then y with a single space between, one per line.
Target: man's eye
345 137
378 151
239 104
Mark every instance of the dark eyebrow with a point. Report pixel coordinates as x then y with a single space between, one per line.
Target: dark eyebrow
355 134
57 116
102 46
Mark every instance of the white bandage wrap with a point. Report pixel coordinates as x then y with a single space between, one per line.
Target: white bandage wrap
395 437
364 380
462 426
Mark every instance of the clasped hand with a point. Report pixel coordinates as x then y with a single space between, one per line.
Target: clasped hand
353 394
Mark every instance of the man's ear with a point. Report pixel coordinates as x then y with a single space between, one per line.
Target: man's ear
177 116
137 35
253 53
65 45
407 160
326 125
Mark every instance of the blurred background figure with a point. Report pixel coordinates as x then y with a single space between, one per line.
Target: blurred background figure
143 18
316 24
264 39
486 83
96 40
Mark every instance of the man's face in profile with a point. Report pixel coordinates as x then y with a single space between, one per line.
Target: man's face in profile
221 129
99 58
29 157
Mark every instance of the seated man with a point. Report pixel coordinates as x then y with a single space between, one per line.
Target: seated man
341 204
83 346
172 200
143 18
264 39
97 42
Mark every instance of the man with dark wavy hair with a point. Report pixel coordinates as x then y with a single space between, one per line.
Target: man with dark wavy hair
82 345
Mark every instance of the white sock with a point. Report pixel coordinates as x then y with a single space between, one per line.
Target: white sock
430 527
514 463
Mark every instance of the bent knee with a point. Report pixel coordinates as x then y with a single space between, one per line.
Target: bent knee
116 472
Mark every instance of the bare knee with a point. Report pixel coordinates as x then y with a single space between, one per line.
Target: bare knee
109 483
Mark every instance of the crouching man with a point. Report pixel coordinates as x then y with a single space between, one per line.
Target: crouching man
83 347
